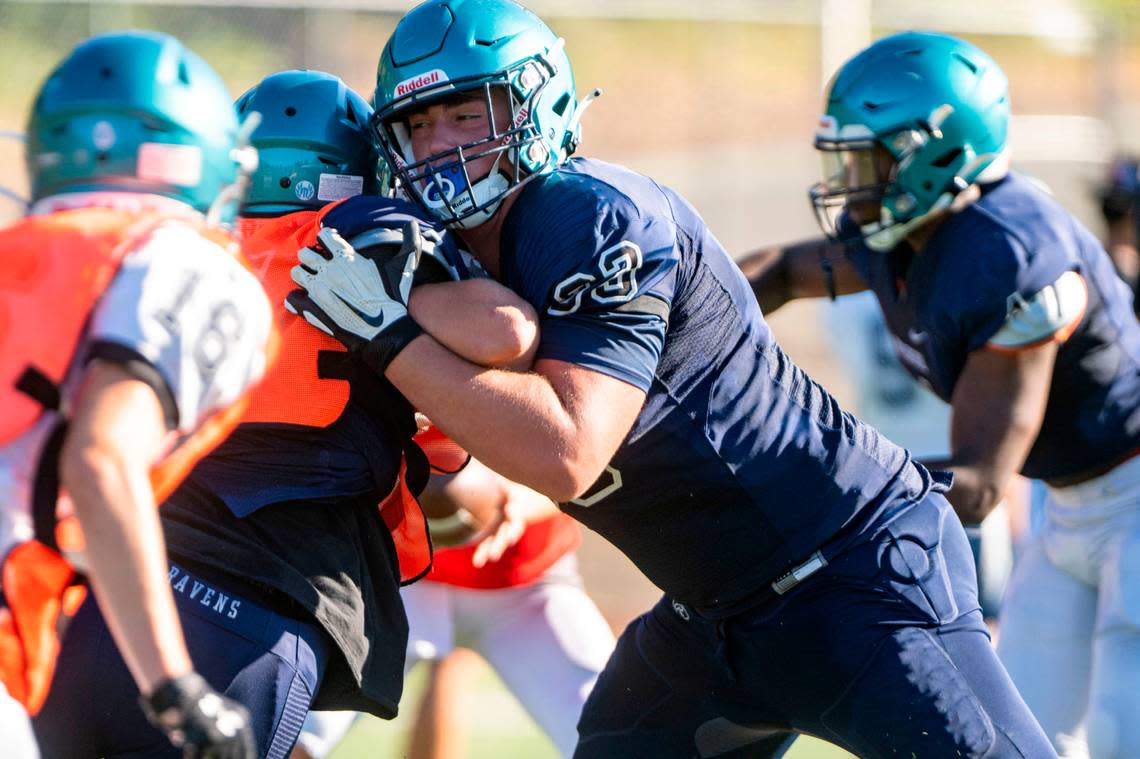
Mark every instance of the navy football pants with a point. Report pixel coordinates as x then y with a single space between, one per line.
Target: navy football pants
270 663
882 652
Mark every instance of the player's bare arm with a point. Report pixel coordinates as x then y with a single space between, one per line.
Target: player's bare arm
117 428
997 410
799 270
480 320
553 429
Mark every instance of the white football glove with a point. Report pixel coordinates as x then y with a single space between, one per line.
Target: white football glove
360 297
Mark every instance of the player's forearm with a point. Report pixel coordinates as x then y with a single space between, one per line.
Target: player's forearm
479 320
814 268
117 429
514 422
976 491
126 559
768 274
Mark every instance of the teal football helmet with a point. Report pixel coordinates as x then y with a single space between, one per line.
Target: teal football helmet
445 48
313 143
910 122
137 112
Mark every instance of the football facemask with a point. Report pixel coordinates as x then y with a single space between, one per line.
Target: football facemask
443 182
856 178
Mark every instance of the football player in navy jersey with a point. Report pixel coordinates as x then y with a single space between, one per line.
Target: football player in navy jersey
815 577
1009 309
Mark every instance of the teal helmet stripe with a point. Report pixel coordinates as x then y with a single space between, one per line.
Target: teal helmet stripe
939 105
313 142
133 111
446 47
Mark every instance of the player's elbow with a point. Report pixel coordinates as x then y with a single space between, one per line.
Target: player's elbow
767 273
976 504
84 465
516 337
570 477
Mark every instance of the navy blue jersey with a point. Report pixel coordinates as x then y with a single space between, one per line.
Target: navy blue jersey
738 466
951 299
261 464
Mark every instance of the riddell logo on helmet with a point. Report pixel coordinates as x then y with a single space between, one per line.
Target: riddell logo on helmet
419 82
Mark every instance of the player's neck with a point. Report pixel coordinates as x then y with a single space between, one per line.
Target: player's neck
485 240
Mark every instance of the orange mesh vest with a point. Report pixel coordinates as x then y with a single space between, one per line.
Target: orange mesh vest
56 268
293 393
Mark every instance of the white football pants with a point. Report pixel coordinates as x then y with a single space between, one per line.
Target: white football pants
1070 623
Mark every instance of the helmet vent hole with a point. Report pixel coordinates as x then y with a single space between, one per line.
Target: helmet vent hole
102 157
489 43
944 160
351 113
326 161
290 111
967 62
105 72
285 183
560 106
870 106
183 73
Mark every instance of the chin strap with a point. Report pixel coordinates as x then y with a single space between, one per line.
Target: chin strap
881 238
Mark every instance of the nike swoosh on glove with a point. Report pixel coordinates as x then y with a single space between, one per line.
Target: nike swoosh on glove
360 297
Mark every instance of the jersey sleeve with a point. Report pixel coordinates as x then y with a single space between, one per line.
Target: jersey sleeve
186 316
1051 314
602 278
995 282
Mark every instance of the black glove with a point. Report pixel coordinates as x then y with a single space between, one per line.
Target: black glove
360 297
199 720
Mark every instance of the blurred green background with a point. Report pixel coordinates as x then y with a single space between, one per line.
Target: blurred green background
718 99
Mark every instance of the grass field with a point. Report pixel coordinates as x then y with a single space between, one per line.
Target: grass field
496 726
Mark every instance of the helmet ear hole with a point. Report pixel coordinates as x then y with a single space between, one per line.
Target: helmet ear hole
313 125
559 107
947 158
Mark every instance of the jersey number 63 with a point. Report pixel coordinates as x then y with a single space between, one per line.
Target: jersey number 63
613 281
